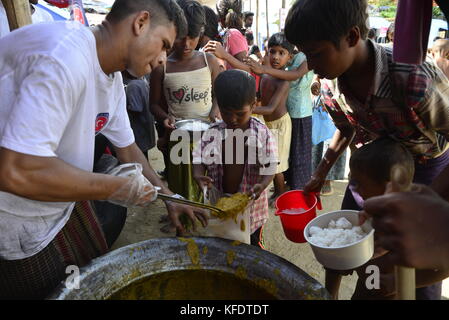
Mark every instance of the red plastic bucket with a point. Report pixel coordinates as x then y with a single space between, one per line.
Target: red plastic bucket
295 223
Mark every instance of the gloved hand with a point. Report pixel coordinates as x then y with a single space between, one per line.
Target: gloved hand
137 192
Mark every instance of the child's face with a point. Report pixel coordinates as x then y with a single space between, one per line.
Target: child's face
279 57
237 119
326 60
366 187
186 46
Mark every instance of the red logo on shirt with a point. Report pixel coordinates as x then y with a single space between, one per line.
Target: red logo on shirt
101 121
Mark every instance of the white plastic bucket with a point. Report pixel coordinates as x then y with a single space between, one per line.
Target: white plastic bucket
346 257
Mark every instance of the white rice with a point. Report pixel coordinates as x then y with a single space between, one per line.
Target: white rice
338 233
195 126
293 211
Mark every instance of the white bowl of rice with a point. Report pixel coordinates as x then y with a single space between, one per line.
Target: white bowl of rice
338 242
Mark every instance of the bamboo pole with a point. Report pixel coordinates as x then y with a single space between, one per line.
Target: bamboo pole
18 13
268 21
257 23
405 277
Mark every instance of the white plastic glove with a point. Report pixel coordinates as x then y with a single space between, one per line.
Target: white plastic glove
138 192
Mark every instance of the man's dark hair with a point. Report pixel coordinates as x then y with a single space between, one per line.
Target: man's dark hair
329 20
161 12
234 89
279 39
377 159
372 33
195 16
231 12
211 29
248 14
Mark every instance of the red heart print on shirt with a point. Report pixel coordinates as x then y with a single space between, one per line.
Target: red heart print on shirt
179 95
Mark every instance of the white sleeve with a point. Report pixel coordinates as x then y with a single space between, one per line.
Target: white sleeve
41 109
119 131
4 24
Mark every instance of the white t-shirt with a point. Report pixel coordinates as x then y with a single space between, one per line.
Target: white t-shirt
54 99
39 15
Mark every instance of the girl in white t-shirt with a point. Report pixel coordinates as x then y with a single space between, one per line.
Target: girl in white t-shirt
183 89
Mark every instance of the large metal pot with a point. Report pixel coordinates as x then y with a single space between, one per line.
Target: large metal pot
237 264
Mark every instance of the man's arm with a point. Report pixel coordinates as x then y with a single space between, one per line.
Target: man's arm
402 222
215 71
342 139
132 154
53 180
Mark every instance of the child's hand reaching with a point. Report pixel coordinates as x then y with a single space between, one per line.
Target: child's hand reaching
215 48
204 182
255 66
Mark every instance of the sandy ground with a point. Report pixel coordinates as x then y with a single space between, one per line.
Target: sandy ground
143 224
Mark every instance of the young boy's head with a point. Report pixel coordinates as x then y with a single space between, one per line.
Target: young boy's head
236 97
440 49
196 21
371 166
280 50
328 32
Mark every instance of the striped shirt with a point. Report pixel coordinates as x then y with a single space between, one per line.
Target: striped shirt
409 103
265 163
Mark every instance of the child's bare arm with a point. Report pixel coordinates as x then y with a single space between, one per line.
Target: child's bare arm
156 93
215 71
275 101
342 139
236 62
291 75
266 181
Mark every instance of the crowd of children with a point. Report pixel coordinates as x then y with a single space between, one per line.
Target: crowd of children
273 96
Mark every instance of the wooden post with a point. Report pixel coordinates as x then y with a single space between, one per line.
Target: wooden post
257 24
268 20
18 12
405 277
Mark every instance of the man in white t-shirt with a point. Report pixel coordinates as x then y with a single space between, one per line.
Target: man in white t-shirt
60 85
37 15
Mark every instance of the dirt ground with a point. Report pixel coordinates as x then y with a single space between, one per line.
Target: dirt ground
143 224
